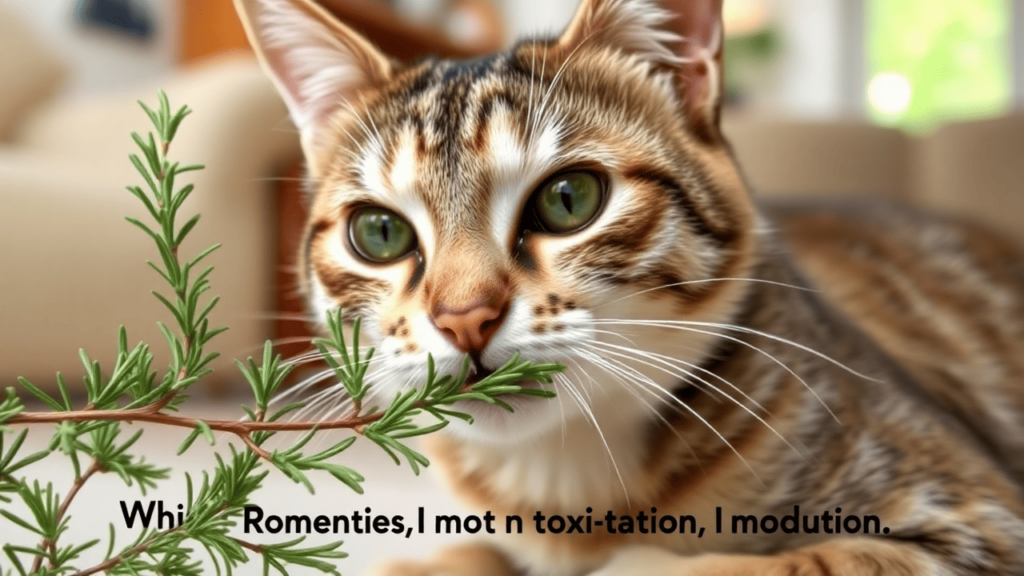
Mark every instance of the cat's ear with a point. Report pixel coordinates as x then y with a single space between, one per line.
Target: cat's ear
317 63
686 35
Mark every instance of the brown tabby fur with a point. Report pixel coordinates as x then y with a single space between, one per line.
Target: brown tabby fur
903 399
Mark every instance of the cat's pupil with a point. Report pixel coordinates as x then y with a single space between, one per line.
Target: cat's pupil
379 235
565 191
568 201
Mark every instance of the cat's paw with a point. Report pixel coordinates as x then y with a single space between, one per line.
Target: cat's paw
644 561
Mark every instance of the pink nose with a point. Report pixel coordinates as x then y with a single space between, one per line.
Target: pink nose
469 329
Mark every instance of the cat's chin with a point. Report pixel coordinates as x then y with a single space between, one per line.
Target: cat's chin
531 417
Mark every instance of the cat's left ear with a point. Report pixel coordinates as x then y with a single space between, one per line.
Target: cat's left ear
317 63
686 35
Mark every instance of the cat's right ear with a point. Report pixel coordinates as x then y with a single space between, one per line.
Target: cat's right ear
317 63
684 34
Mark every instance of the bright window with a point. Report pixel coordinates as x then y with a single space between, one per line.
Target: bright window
931 61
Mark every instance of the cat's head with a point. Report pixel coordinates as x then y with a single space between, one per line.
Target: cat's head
570 198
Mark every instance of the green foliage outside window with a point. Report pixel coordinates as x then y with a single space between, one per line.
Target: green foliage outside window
932 61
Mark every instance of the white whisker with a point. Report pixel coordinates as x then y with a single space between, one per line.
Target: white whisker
641 379
723 393
675 325
636 394
705 280
593 419
663 359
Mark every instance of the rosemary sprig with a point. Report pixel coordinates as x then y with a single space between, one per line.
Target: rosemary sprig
135 391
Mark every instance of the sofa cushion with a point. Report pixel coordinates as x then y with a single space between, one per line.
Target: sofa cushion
28 71
814 159
974 169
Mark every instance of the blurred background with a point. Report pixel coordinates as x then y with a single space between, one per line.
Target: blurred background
914 100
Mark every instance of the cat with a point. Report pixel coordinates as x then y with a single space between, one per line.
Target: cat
574 199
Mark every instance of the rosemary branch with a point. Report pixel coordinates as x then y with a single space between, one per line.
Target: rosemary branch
241 428
48 545
132 392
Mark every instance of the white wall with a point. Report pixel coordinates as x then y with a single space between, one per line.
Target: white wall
99 59
537 17
815 63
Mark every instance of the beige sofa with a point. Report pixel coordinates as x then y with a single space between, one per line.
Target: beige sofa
975 169
71 270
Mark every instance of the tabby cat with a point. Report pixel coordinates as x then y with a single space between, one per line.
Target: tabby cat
574 199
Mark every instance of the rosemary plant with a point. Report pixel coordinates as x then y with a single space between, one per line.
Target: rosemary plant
91 436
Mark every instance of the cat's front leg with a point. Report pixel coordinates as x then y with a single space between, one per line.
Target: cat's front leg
841 557
474 559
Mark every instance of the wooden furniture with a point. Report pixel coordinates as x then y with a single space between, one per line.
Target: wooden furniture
211 27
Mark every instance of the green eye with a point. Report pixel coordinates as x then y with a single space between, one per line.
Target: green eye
380 235
568 201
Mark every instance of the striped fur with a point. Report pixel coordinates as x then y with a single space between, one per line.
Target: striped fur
720 353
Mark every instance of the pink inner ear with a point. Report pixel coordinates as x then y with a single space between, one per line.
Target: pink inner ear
701 96
699 21
699 24
317 63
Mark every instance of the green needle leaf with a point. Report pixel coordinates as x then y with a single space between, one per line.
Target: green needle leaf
215 501
207 432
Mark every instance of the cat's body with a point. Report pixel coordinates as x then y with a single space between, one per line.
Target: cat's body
574 200
916 457
940 297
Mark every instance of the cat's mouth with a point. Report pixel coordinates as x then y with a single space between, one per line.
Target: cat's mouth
478 376
479 371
